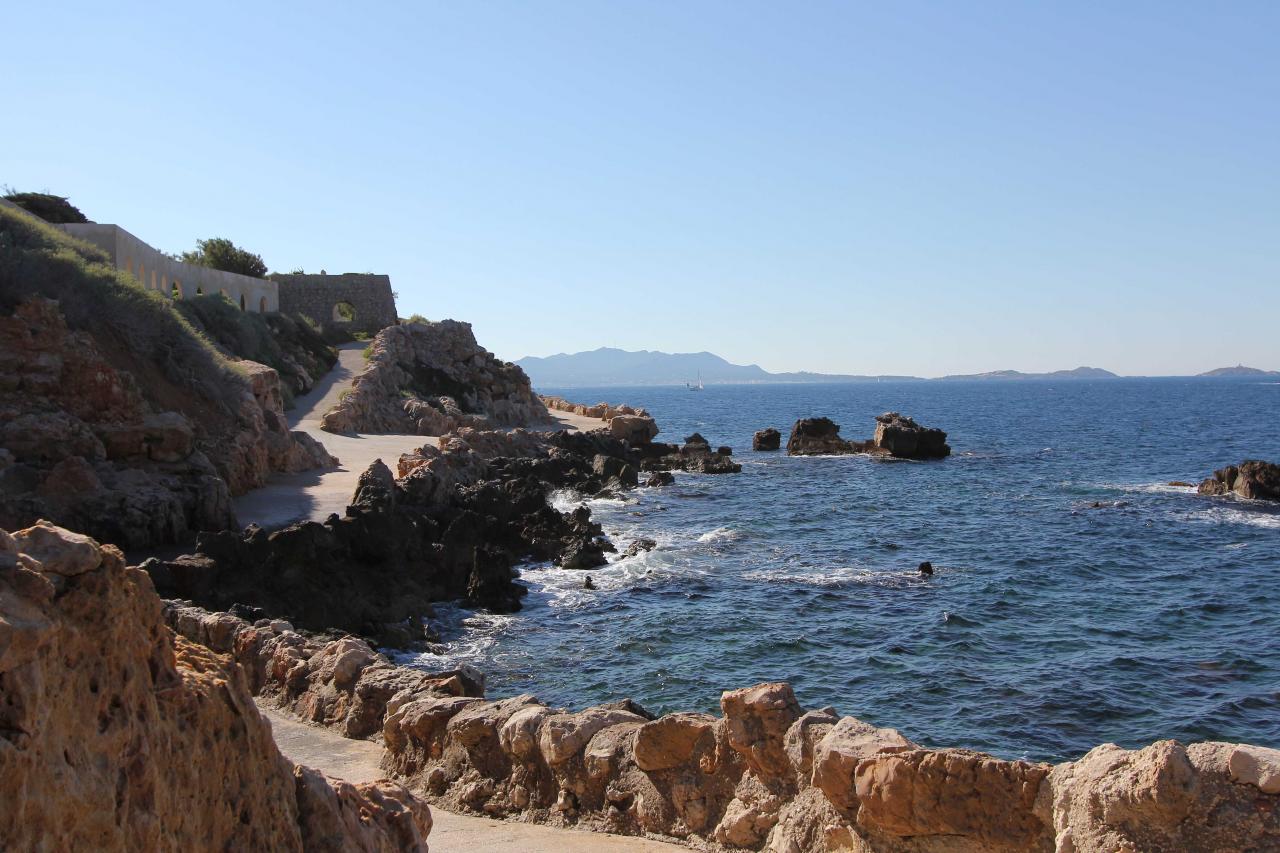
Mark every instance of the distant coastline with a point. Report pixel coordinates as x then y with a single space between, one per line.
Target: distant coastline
608 366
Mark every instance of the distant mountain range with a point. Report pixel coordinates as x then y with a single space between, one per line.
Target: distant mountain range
1240 370
609 366
1077 373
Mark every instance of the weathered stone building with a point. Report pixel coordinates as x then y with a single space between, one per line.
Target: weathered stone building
157 271
351 302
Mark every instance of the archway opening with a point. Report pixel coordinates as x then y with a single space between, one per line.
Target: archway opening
175 291
242 308
262 305
199 291
344 312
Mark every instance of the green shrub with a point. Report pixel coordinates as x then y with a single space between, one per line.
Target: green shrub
139 325
220 253
49 207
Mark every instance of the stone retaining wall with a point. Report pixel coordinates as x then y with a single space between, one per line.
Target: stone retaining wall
368 296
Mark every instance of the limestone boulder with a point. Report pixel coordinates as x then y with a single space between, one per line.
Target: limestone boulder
121 736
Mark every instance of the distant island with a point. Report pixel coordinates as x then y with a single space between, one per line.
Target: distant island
1239 370
1077 373
610 366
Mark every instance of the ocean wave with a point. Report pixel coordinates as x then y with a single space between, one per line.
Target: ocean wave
840 577
1232 515
720 534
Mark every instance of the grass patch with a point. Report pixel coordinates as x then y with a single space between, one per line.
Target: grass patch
37 259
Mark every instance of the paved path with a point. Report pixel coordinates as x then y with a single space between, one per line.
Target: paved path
357 761
315 494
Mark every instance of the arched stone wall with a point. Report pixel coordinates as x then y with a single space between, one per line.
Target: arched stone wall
161 273
317 296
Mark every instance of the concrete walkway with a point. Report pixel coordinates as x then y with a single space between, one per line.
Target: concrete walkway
313 495
357 761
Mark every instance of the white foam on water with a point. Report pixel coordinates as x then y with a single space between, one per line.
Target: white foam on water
838 577
720 534
1231 515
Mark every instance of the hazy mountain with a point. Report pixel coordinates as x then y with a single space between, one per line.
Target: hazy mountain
608 366
1240 370
1077 373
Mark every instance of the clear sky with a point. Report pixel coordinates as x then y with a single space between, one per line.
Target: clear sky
918 188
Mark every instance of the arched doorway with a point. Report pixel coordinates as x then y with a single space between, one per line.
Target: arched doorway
242 308
262 305
176 291
344 312
199 291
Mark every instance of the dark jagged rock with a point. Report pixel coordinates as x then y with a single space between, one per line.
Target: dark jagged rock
818 437
659 478
1252 479
905 439
896 435
766 439
694 455
639 546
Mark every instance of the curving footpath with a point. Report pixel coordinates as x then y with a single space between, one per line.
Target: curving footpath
314 495
357 761
288 498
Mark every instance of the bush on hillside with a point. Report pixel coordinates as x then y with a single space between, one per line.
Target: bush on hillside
219 253
49 207
270 339
139 325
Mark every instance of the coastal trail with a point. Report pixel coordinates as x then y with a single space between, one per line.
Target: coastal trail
313 495
357 761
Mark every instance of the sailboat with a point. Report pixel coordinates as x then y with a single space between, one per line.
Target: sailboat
697 387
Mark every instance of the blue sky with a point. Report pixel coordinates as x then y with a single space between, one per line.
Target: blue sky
915 188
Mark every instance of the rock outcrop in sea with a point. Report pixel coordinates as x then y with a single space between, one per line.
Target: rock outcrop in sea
1252 479
450 523
896 435
427 378
118 735
766 439
765 775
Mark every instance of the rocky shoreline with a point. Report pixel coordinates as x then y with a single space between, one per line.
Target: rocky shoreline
128 722
766 774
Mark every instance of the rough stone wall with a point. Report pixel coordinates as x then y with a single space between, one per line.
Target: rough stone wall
115 735
161 273
766 775
316 295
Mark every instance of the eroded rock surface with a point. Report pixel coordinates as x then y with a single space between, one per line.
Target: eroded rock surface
429 378
1252 479
85 448
766 439
115 735
896 436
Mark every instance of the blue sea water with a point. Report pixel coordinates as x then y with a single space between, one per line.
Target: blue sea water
1078 598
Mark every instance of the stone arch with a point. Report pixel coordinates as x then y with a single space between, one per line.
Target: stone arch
176 291
242 302
142 274
344 312
154 284
199 291
262 305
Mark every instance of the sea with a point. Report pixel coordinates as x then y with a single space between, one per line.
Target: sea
1080 596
